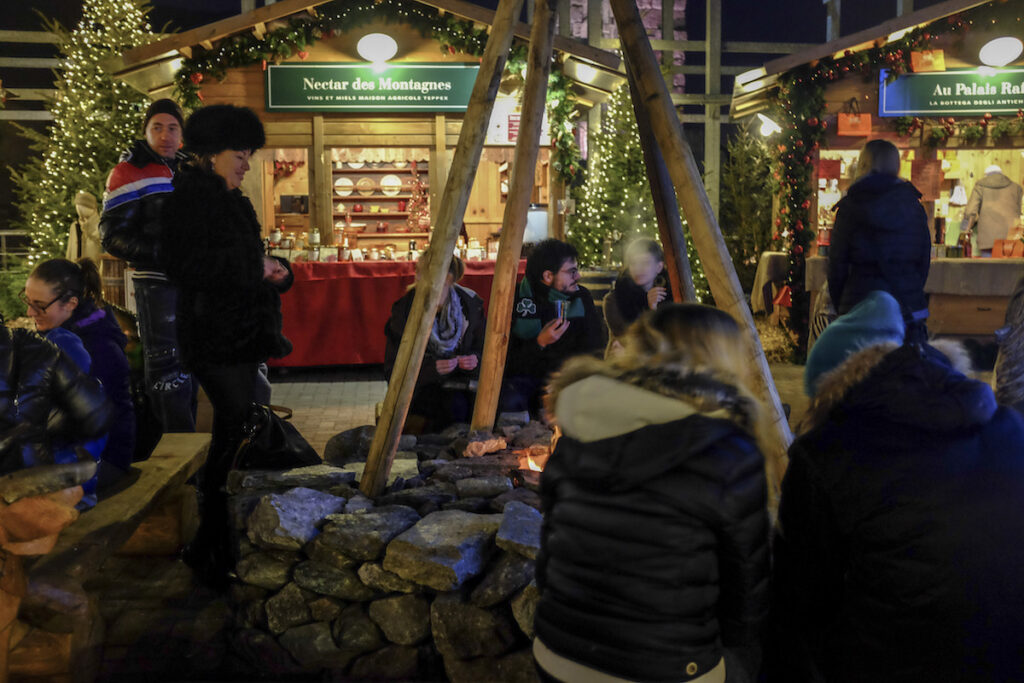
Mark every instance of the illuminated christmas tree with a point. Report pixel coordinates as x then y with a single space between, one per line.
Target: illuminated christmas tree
94 120
614 204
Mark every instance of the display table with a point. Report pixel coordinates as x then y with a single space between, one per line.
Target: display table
335 313
966 296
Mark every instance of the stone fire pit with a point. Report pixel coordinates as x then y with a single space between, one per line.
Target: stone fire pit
433 580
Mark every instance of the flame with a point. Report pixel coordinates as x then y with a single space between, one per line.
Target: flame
532 464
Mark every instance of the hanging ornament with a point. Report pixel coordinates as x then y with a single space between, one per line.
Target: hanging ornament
303 54
263 65
196 78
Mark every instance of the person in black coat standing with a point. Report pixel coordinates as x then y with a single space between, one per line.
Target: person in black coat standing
881 239
654 551
446 385
229 307
642 286
899 552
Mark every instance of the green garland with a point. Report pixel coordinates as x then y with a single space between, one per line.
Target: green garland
799 109
454 36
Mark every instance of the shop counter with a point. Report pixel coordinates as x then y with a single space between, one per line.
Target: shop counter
335 313
966 296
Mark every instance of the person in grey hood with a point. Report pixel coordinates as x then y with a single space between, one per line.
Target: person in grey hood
994 208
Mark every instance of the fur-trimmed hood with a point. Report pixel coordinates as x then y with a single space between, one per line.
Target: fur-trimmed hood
927 387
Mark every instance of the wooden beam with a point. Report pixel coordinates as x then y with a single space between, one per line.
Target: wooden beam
513 226
666 208
707 237
713 114
28 37
29 63
434 271
31 94
728 46
218 29
259 30
320 204
16 115
185 51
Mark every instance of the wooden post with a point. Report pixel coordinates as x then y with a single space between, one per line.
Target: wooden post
439 254
666 208
707 237
321 214
712 109
510 245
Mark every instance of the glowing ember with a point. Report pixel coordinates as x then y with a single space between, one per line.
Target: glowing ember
532 464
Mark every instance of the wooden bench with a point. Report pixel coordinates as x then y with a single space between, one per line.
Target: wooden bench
59 631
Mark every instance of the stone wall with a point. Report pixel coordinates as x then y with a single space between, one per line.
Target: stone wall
433 580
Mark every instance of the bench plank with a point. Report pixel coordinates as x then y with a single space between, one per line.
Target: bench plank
85 545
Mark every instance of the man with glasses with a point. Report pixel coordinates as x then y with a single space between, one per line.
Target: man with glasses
130 228
554 318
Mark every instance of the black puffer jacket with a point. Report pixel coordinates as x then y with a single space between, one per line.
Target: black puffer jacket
655 545
881 241
130 226
42 389
628 301
900 548
227 312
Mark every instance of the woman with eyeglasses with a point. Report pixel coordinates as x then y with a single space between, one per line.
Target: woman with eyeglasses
229 305
64 300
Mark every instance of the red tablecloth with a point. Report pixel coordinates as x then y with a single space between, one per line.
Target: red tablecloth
335 313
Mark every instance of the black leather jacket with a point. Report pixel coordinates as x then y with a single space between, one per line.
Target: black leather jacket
136 190
41 389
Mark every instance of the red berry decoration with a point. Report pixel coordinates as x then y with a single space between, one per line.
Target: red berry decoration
805 205
451 49
196 78
303 54
799 225
987 116
798 250
824 125
813 121
776 237
807 159
263 65
778 224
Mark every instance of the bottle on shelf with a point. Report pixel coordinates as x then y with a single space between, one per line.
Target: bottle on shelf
344 254
414 254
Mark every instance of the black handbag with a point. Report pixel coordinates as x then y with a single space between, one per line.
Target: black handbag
270 442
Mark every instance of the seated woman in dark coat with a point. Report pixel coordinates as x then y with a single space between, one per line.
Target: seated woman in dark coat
446 386
654 554
881 239
642 286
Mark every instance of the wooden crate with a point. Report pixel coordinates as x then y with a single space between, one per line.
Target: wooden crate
966 315
112 271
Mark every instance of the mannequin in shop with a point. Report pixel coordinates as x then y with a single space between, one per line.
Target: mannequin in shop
993 209
84 236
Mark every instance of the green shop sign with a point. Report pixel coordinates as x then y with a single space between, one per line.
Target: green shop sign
368 87
960 91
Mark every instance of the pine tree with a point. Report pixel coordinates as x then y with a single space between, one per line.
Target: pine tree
94 119
615 204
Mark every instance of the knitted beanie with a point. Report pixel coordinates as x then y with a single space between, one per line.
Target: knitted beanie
218 127
164 106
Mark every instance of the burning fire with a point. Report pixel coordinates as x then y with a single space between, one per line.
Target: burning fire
532 464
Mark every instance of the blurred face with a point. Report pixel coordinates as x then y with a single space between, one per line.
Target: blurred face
445 292
43 305
643 267
231 165
566 280
163 133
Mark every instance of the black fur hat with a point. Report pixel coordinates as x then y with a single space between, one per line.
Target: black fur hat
219 127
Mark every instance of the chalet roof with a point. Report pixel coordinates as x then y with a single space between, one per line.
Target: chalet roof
151 68
752 91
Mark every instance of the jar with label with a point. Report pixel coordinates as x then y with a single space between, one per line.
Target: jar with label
286 242
413 254
314 238
374 254
275 238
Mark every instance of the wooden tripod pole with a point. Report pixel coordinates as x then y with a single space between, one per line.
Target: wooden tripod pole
707 237
666 208
434 271
510 246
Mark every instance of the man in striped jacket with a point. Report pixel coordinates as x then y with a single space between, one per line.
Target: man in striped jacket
130 228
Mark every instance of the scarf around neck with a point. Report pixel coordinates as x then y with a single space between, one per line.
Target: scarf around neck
528 318
450 326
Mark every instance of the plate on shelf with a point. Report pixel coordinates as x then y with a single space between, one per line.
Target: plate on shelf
355 164
400 164
366 186
343 186
390 185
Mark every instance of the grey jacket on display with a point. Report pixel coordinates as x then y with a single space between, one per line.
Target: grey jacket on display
993 209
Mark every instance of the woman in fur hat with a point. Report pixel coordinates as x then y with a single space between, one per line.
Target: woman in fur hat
229 305
654 555
899 551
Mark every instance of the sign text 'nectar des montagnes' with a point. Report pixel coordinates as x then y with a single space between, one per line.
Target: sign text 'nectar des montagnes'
947 93
369 87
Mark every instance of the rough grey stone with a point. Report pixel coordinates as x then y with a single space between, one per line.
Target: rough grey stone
466 631
358 503
523 495
289 520
353 445
404 619
520 419
356 632
483 487
533 434
444 549
251 614
505 576
365 535
313 477
508 431
324 608
394 662
263 653
314 648
378 578
263 570
437 493
240 592
455 431
524 607
520 530
326 549
469 505
327 580
286 609
517 667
